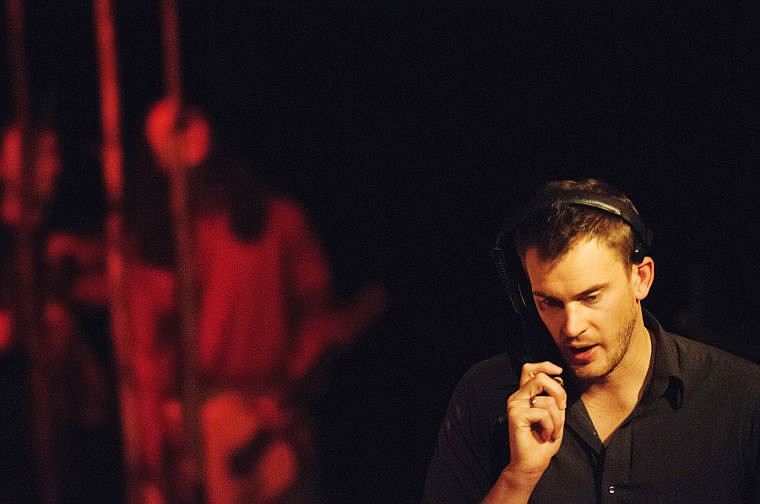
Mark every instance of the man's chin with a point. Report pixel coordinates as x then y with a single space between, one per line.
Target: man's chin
587 371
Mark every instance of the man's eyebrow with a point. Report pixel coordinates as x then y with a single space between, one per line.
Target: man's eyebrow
580 295
591 290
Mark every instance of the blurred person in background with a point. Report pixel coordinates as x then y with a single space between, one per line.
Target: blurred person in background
268 318
77 394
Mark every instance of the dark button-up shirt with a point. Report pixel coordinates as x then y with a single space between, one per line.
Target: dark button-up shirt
693 438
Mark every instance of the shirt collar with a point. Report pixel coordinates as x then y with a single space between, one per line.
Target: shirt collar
666 378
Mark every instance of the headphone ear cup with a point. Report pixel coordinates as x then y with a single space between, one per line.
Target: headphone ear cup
515 281
532 343
523 293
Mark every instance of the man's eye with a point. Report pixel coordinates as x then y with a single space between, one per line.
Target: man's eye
591 299
550 303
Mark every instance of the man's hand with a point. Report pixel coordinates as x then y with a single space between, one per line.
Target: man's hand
536 413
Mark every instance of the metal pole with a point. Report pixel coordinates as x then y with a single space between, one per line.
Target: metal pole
112 160
186 284
27 313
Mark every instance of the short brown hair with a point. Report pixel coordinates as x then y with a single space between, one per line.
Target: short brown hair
557 227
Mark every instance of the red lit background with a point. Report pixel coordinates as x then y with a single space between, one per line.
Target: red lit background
407 130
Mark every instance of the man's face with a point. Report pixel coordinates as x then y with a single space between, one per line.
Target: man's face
589 301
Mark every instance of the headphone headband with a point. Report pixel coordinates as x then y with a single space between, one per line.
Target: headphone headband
581 198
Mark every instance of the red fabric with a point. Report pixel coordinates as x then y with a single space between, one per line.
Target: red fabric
256 294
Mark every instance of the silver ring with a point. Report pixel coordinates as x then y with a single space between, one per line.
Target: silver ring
532 401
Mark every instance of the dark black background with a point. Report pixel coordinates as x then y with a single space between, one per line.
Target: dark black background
410 129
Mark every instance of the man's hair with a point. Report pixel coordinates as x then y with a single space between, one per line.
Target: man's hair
552 231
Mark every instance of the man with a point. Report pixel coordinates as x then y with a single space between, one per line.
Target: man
643 416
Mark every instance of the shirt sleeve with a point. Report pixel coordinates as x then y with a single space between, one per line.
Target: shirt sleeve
472 443
310 273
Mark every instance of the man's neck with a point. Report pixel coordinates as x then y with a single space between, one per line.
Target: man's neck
611 399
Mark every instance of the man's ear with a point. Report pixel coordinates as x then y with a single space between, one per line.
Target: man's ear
642 276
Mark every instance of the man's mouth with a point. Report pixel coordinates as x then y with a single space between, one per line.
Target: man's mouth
580 353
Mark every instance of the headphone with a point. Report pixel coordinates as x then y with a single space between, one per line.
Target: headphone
508 264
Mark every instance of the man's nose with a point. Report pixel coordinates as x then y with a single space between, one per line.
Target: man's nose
574 323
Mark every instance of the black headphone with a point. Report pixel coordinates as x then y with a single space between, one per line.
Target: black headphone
508 264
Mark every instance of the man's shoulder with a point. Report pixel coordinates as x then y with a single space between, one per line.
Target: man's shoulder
286 211
494 374
694 353
703 364
281 203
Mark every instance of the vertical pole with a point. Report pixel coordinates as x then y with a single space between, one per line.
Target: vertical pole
26 316
186 284
112 160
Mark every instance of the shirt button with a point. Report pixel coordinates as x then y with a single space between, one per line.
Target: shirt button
611 489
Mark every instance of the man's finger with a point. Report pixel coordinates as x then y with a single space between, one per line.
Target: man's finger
531 369
556 413
543 384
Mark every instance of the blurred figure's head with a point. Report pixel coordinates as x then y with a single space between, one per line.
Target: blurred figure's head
177 137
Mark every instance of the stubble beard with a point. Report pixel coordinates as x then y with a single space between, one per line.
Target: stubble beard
614 354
